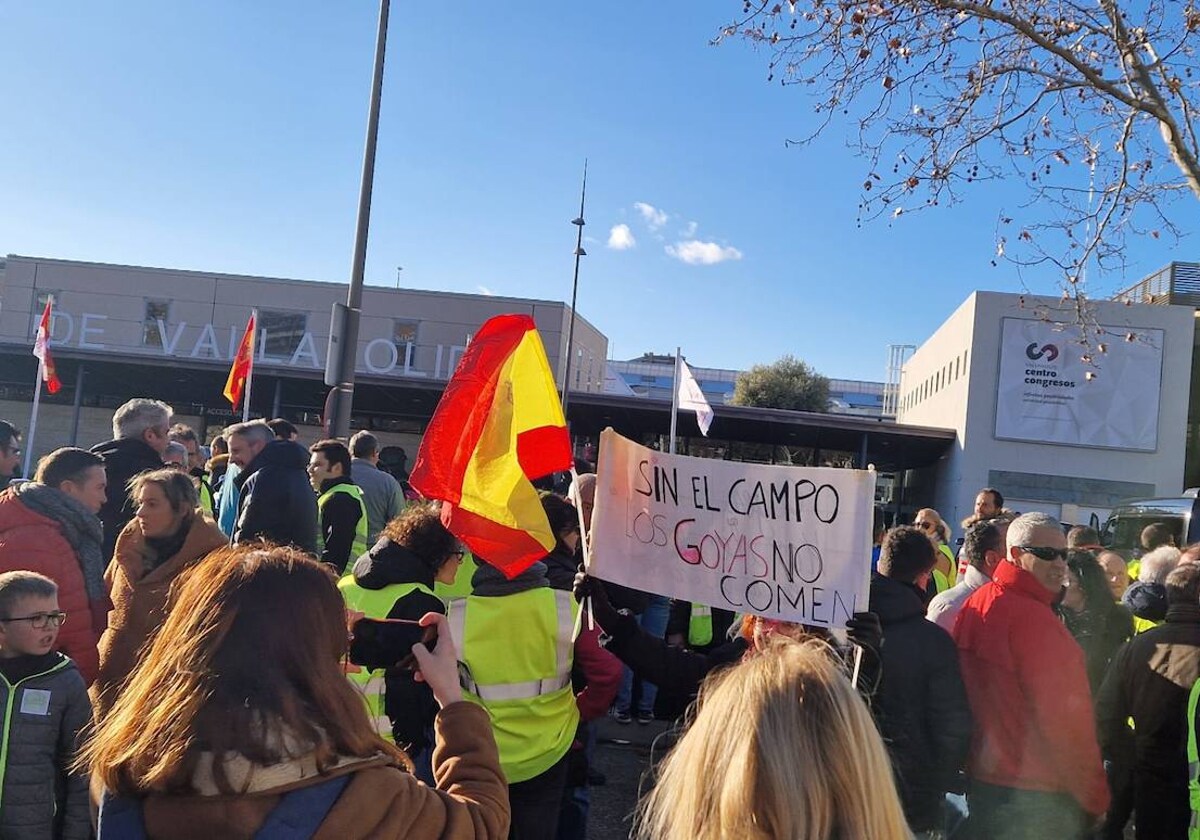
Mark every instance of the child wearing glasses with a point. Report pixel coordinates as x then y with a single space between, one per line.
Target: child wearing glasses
43 708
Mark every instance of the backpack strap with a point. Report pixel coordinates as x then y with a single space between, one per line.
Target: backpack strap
300 813
120 818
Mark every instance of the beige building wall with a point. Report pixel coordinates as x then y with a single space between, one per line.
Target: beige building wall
404 333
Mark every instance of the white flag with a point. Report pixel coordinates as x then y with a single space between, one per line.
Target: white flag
690 396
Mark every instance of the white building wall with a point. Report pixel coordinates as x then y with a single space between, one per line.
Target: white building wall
941 386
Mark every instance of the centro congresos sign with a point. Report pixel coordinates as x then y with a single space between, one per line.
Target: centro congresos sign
1044 395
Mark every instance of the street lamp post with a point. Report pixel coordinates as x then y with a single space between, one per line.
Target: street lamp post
343 334
579 252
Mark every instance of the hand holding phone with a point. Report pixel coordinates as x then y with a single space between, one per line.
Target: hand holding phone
387 643
439 669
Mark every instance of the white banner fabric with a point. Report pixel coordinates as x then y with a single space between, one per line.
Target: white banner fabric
792 543
1044 394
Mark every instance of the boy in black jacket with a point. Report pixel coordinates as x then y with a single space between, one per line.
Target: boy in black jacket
44 706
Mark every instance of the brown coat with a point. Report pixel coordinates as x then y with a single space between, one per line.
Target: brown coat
140 600
380 801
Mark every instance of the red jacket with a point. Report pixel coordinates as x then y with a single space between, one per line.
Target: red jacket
1029 695
601 671
32 542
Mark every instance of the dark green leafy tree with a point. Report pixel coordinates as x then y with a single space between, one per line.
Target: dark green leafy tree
788 383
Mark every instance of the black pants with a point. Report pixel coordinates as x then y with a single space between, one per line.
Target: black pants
535 804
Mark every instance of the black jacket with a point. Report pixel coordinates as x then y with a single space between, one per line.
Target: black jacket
560 569
277 502
1149 680
671 668
338 522
921 705
408 704
123 459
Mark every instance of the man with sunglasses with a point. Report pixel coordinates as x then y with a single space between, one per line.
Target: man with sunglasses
1034 763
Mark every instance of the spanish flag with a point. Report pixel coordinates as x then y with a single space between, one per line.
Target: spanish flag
498 426
243 364
41 349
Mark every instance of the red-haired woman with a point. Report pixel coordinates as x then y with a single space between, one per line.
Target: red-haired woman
240 717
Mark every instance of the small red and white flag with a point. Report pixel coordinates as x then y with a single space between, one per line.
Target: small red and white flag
41 349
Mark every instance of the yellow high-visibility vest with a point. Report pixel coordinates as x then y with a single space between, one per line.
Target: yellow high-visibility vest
515 655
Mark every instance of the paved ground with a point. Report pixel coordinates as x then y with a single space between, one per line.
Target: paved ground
623 756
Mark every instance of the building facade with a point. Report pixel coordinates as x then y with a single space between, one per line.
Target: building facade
1060 413
652 375
180 330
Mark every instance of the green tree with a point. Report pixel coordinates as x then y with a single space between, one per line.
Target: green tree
788 383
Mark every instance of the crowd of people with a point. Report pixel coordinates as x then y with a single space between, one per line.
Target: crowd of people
267 640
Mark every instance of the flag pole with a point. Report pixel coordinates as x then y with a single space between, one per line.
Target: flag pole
250 375
37 398
675 400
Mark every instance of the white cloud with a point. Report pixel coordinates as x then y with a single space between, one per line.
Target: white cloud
620 238
690 230
484 290
651 215
695 252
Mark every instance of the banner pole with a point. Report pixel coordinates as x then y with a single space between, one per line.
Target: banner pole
674 401
250 375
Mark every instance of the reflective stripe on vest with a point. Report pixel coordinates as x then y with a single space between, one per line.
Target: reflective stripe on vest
359 547
375 603
700 626
1193 757
564 605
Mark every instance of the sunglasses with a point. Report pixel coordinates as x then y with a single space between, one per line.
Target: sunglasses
926 526
39 621
1042 552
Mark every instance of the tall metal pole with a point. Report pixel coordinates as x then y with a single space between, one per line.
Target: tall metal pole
344 396
579 252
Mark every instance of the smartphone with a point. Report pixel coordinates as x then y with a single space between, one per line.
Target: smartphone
387 642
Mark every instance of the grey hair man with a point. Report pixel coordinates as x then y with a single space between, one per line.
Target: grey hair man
1141 709
140 436
275 499
1034 761
382 495
1147 597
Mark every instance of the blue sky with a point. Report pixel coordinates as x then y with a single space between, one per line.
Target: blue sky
227 136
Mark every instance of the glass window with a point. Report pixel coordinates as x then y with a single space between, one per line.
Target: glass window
281 331
404 334
156 310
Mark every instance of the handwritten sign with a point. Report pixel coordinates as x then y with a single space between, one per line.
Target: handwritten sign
792 543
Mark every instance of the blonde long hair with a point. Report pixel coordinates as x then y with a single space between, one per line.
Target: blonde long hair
781 749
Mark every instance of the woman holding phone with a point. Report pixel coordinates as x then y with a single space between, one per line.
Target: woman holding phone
240 719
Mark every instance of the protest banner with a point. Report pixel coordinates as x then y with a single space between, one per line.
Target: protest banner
792 543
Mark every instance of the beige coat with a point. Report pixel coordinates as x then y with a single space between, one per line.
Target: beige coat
140 601
380 801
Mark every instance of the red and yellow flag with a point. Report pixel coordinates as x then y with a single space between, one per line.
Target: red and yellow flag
498 426
243 364
41 349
